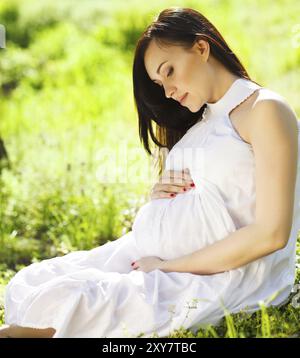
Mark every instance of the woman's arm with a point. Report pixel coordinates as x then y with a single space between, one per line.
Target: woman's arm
238 249
274 138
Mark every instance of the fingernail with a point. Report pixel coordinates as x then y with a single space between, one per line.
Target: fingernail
132 264
172 194
184 189
192 184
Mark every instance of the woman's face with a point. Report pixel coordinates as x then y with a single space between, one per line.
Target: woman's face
181 72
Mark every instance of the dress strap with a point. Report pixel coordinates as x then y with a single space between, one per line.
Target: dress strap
237 93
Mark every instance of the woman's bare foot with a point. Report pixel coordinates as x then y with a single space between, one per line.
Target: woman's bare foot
4 331
12 331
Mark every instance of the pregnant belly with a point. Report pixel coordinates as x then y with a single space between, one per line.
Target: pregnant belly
169 228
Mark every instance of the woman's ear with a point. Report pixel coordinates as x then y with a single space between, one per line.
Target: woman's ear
203 48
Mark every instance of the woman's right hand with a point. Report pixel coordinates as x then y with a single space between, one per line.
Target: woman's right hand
171 183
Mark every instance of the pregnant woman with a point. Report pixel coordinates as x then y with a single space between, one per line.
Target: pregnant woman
219 231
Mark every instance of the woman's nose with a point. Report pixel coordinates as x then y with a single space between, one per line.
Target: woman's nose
170 93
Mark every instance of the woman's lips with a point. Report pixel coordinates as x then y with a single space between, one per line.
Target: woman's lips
183 99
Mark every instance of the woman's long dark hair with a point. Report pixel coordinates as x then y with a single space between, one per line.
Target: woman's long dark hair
181 27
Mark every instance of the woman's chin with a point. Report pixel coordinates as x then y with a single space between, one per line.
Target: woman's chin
193 109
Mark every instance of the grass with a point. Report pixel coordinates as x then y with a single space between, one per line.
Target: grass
66 96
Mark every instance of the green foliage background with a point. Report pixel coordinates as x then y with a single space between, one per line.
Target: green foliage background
66 93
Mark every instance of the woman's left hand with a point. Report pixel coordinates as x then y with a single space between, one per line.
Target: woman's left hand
147 264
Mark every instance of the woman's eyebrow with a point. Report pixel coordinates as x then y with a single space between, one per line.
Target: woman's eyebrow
158 69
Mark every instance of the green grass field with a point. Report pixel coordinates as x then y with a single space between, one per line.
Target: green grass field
66 95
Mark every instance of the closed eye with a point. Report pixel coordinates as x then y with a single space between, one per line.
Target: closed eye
169 73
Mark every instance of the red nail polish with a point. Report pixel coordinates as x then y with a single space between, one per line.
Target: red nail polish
184 189
132 264
192 184
172 194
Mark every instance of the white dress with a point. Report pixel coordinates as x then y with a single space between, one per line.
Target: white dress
96 293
